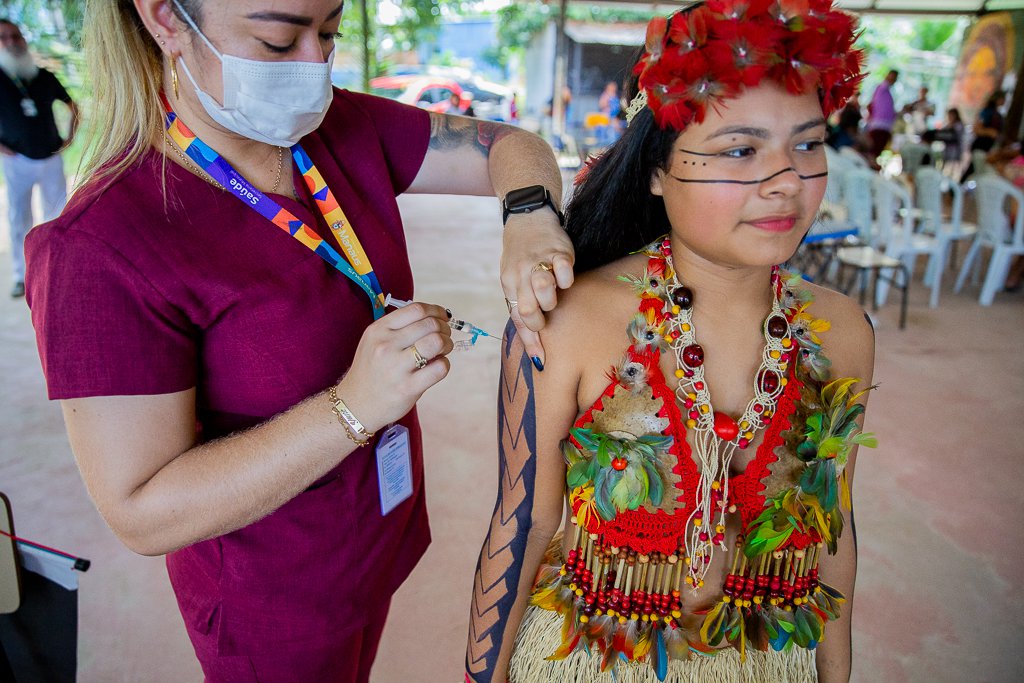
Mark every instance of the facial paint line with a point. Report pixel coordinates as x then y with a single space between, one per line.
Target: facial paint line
750 182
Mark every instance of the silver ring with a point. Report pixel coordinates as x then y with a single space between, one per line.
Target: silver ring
421 362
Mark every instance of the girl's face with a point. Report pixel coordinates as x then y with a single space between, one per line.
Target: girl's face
743 186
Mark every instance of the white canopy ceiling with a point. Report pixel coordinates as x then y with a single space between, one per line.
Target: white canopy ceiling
933 7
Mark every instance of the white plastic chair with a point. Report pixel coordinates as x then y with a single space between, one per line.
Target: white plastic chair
894 214
855 157
857 186
868 193
930 185
838 165
815 259
994 231
913 155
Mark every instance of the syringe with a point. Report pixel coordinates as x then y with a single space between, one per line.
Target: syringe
453 322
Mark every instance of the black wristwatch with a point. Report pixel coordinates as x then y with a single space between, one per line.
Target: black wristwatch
527 199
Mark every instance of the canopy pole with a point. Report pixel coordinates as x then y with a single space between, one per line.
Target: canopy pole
366 45
557 101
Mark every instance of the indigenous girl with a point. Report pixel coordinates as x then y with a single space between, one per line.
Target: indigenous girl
696 414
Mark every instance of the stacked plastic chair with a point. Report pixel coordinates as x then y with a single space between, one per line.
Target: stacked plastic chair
816 256
903 241
930 186
866 192
913 155
1000 228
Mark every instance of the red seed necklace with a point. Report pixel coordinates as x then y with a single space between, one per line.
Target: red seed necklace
716 436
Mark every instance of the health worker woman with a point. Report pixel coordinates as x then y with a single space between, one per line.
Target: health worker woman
210 310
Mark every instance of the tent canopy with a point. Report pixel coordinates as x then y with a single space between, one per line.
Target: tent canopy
907 7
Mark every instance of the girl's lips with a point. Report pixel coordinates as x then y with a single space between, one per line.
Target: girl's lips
775 224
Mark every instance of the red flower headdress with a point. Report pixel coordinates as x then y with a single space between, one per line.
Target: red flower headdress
699 57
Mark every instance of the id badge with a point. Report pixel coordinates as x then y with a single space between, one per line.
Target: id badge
394 468
28 108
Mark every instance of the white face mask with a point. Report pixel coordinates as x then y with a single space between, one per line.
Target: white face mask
272 102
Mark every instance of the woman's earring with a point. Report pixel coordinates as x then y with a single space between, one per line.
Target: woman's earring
174 75
157 36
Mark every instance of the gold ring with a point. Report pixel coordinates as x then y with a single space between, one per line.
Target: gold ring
544 267
510 304
421 362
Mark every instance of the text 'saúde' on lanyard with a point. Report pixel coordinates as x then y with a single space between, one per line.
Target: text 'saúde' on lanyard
354 264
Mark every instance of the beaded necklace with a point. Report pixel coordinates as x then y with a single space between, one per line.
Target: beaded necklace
716 435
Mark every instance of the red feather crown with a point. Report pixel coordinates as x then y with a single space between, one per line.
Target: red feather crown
699 57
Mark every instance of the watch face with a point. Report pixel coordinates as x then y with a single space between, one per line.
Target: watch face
526 199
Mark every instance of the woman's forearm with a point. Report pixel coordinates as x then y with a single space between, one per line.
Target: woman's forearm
159 491
527 513
218 487
520 159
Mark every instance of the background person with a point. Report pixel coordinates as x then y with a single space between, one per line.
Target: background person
456 102
228 391
609 105
882 114
952 136
920 111
29 141
987 129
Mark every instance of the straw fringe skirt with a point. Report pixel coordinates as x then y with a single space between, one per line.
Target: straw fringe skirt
540 635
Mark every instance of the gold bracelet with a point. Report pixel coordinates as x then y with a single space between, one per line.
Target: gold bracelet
353 427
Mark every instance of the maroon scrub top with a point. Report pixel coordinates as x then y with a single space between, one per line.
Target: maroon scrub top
136 293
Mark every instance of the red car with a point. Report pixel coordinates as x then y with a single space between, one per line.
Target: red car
427 92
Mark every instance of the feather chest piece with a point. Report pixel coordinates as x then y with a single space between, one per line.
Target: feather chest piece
650 510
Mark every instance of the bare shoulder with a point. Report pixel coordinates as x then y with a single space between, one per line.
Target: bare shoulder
587 330
595 298
850 341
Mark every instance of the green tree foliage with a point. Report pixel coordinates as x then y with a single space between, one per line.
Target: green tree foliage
417 21
53 29
936 36
46 21
923 51
519 23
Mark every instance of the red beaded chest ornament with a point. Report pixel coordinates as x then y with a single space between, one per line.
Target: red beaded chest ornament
619 590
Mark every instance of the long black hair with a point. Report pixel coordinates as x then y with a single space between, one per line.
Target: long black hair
612 212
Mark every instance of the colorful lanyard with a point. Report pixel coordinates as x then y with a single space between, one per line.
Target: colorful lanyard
354 264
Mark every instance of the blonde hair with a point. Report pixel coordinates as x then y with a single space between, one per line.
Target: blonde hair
126 68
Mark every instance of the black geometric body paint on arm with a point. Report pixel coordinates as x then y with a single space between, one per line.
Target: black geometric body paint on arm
499 569
455 132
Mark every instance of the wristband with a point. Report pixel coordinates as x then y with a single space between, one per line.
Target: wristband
354 429
527 200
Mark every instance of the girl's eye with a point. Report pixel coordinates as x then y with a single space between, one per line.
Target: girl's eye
810 145
331 36
738 152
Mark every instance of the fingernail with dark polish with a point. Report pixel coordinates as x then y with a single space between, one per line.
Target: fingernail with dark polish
448 312
537 363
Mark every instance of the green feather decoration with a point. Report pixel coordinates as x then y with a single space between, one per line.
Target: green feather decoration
593 463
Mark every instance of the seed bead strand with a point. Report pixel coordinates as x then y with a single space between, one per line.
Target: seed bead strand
716 436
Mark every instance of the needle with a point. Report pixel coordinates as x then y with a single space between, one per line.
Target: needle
453 322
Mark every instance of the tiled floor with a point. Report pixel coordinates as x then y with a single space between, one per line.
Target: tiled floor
939 504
